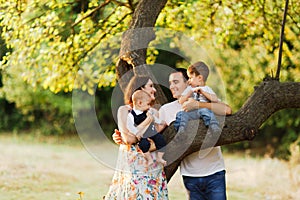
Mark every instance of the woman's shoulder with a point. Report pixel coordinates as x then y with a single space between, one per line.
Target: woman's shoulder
124 108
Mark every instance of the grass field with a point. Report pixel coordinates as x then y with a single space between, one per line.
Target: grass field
56 169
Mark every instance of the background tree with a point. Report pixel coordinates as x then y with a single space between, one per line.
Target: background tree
55 42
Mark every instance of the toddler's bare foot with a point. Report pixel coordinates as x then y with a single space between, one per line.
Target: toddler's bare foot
162 161
150 162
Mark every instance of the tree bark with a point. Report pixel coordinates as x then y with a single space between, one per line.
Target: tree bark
268 98
132 56
139 34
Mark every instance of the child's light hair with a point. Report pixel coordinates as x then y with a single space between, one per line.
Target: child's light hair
140 95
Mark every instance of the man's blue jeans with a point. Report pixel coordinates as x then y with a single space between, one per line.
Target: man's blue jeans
212 187
183 117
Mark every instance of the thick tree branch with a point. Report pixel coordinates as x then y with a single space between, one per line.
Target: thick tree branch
268 98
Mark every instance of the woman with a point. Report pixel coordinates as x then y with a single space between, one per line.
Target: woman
133 178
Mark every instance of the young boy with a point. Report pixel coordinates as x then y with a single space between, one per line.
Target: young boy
141 105
198 90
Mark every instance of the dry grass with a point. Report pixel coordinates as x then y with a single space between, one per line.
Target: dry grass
35 169
262 178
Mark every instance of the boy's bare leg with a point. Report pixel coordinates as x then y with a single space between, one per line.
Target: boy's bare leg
160 158
148 158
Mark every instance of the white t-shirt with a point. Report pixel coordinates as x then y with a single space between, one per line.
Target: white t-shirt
130 121
199 97
201 163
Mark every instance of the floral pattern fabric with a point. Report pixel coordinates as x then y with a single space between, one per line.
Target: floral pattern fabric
134 180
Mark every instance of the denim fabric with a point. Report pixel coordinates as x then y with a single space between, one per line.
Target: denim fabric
212 187
183 117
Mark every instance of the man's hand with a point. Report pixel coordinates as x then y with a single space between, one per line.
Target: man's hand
190 104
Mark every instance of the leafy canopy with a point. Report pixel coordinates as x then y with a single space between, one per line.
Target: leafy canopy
66 44
60 45
55 42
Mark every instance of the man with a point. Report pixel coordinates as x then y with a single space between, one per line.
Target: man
203 172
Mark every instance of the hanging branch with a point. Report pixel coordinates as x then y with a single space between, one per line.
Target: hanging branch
281 40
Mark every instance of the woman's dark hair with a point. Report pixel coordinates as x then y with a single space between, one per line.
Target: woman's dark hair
136 83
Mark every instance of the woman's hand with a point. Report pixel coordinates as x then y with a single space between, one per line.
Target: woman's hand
124 138
117 138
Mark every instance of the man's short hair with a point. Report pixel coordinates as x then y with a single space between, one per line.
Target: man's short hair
183 72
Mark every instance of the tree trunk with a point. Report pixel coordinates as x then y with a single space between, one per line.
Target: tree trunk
136 39
268 98
132 56
140 32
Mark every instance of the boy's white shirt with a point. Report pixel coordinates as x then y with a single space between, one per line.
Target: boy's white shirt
130 121
202 163
205 88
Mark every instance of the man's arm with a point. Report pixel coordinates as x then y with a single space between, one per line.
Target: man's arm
219 108
186 94
185 97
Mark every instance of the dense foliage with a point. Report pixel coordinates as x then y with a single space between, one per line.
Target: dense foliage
60 45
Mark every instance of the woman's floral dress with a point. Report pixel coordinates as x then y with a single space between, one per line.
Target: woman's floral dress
134 180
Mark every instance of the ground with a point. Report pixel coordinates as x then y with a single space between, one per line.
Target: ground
35 168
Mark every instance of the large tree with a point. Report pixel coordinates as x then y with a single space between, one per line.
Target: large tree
55 42
267 99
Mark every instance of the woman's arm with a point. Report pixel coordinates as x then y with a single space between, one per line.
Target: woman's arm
219 108
127 137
